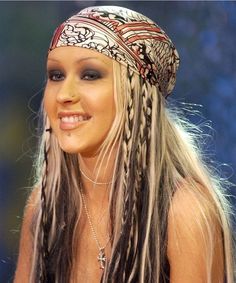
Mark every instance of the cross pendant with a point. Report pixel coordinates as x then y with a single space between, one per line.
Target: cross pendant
101 258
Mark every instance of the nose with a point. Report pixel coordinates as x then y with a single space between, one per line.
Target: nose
68 91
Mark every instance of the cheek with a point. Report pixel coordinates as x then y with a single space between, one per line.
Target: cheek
46 100
106 112
104 104
110 108
49 104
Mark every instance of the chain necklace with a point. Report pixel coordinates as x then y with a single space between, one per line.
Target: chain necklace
101 255
95 183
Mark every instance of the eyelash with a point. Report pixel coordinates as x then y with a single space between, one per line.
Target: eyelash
89 75
55 75
92 74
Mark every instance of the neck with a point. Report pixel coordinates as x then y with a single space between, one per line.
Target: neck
97 175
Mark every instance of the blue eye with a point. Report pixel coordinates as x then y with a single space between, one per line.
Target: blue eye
55 75
90 75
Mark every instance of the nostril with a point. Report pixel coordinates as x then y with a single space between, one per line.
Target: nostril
66 98
67 102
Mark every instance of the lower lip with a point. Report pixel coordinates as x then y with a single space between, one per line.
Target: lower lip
71 126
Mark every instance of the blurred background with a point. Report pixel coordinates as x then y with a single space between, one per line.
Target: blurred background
204 34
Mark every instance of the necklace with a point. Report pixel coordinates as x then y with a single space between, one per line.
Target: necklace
101 255
95 183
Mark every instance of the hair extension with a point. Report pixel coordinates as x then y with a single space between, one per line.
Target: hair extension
138 200
60 207
173 158
55 221
44 275
157 152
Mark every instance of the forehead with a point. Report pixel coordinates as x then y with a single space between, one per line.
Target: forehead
65 53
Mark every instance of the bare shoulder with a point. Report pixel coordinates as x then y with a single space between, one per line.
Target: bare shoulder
195 245
26 239
30 209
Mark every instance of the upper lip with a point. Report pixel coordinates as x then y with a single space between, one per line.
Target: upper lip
72 113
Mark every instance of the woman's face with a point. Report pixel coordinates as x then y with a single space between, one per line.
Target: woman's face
79 99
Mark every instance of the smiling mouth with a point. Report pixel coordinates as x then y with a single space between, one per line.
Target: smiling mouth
74 119
70 122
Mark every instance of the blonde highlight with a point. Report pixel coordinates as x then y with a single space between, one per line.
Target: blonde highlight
157 153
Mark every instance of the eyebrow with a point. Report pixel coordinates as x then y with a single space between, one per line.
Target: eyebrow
79 60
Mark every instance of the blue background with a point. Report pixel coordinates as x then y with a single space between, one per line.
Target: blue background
205 36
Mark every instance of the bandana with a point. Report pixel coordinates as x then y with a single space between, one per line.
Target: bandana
125 36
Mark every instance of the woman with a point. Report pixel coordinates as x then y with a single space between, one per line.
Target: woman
121 191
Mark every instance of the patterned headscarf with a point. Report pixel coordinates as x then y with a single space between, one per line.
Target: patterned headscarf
126 36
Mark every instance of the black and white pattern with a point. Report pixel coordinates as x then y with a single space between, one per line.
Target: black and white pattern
125 36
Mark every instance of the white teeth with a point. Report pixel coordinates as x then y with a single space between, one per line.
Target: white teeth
65 119
73 119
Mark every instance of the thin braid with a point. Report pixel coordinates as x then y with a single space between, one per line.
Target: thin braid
132 193
52 259
146 190
140 190
135 164
44 223
117 263
127 144
133 258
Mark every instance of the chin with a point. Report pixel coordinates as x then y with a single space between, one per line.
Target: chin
69 148
79 149
76 145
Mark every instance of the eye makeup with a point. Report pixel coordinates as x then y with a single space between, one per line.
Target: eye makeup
90 74
55 75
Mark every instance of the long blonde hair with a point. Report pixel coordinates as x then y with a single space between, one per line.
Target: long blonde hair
158 150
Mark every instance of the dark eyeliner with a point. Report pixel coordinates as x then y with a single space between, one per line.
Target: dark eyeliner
55 75
90 74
